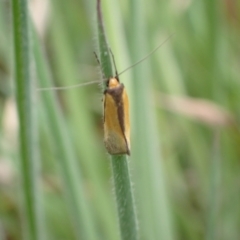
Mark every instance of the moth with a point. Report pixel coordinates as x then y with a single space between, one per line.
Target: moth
116 122
116 118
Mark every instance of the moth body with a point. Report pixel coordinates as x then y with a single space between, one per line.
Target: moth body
116 118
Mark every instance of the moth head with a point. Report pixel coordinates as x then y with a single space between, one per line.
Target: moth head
113 82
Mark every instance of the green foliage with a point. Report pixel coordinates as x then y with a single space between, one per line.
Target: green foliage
184 151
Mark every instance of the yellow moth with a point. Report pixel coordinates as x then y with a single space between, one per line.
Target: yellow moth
116 115
116 118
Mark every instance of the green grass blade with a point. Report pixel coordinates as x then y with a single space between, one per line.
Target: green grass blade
120 165
106 65
150 184
24 82
124 197
214 191
80 211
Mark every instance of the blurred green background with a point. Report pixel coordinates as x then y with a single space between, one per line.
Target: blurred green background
185 148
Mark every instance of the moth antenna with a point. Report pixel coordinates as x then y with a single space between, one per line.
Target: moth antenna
114 63
80 84
104 77
147 56
72 86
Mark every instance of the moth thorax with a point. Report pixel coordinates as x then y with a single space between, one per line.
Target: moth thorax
113 82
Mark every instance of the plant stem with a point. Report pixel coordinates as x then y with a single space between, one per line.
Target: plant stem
121 176
124 197
27 120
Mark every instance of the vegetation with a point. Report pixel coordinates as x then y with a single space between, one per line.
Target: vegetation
184 161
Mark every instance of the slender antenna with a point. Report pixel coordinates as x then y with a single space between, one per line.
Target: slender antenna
152 52
104 78
80 84
70 87
114 63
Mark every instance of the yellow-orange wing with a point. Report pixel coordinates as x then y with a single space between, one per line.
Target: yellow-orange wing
116 119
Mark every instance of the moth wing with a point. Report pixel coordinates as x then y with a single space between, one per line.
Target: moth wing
114 136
